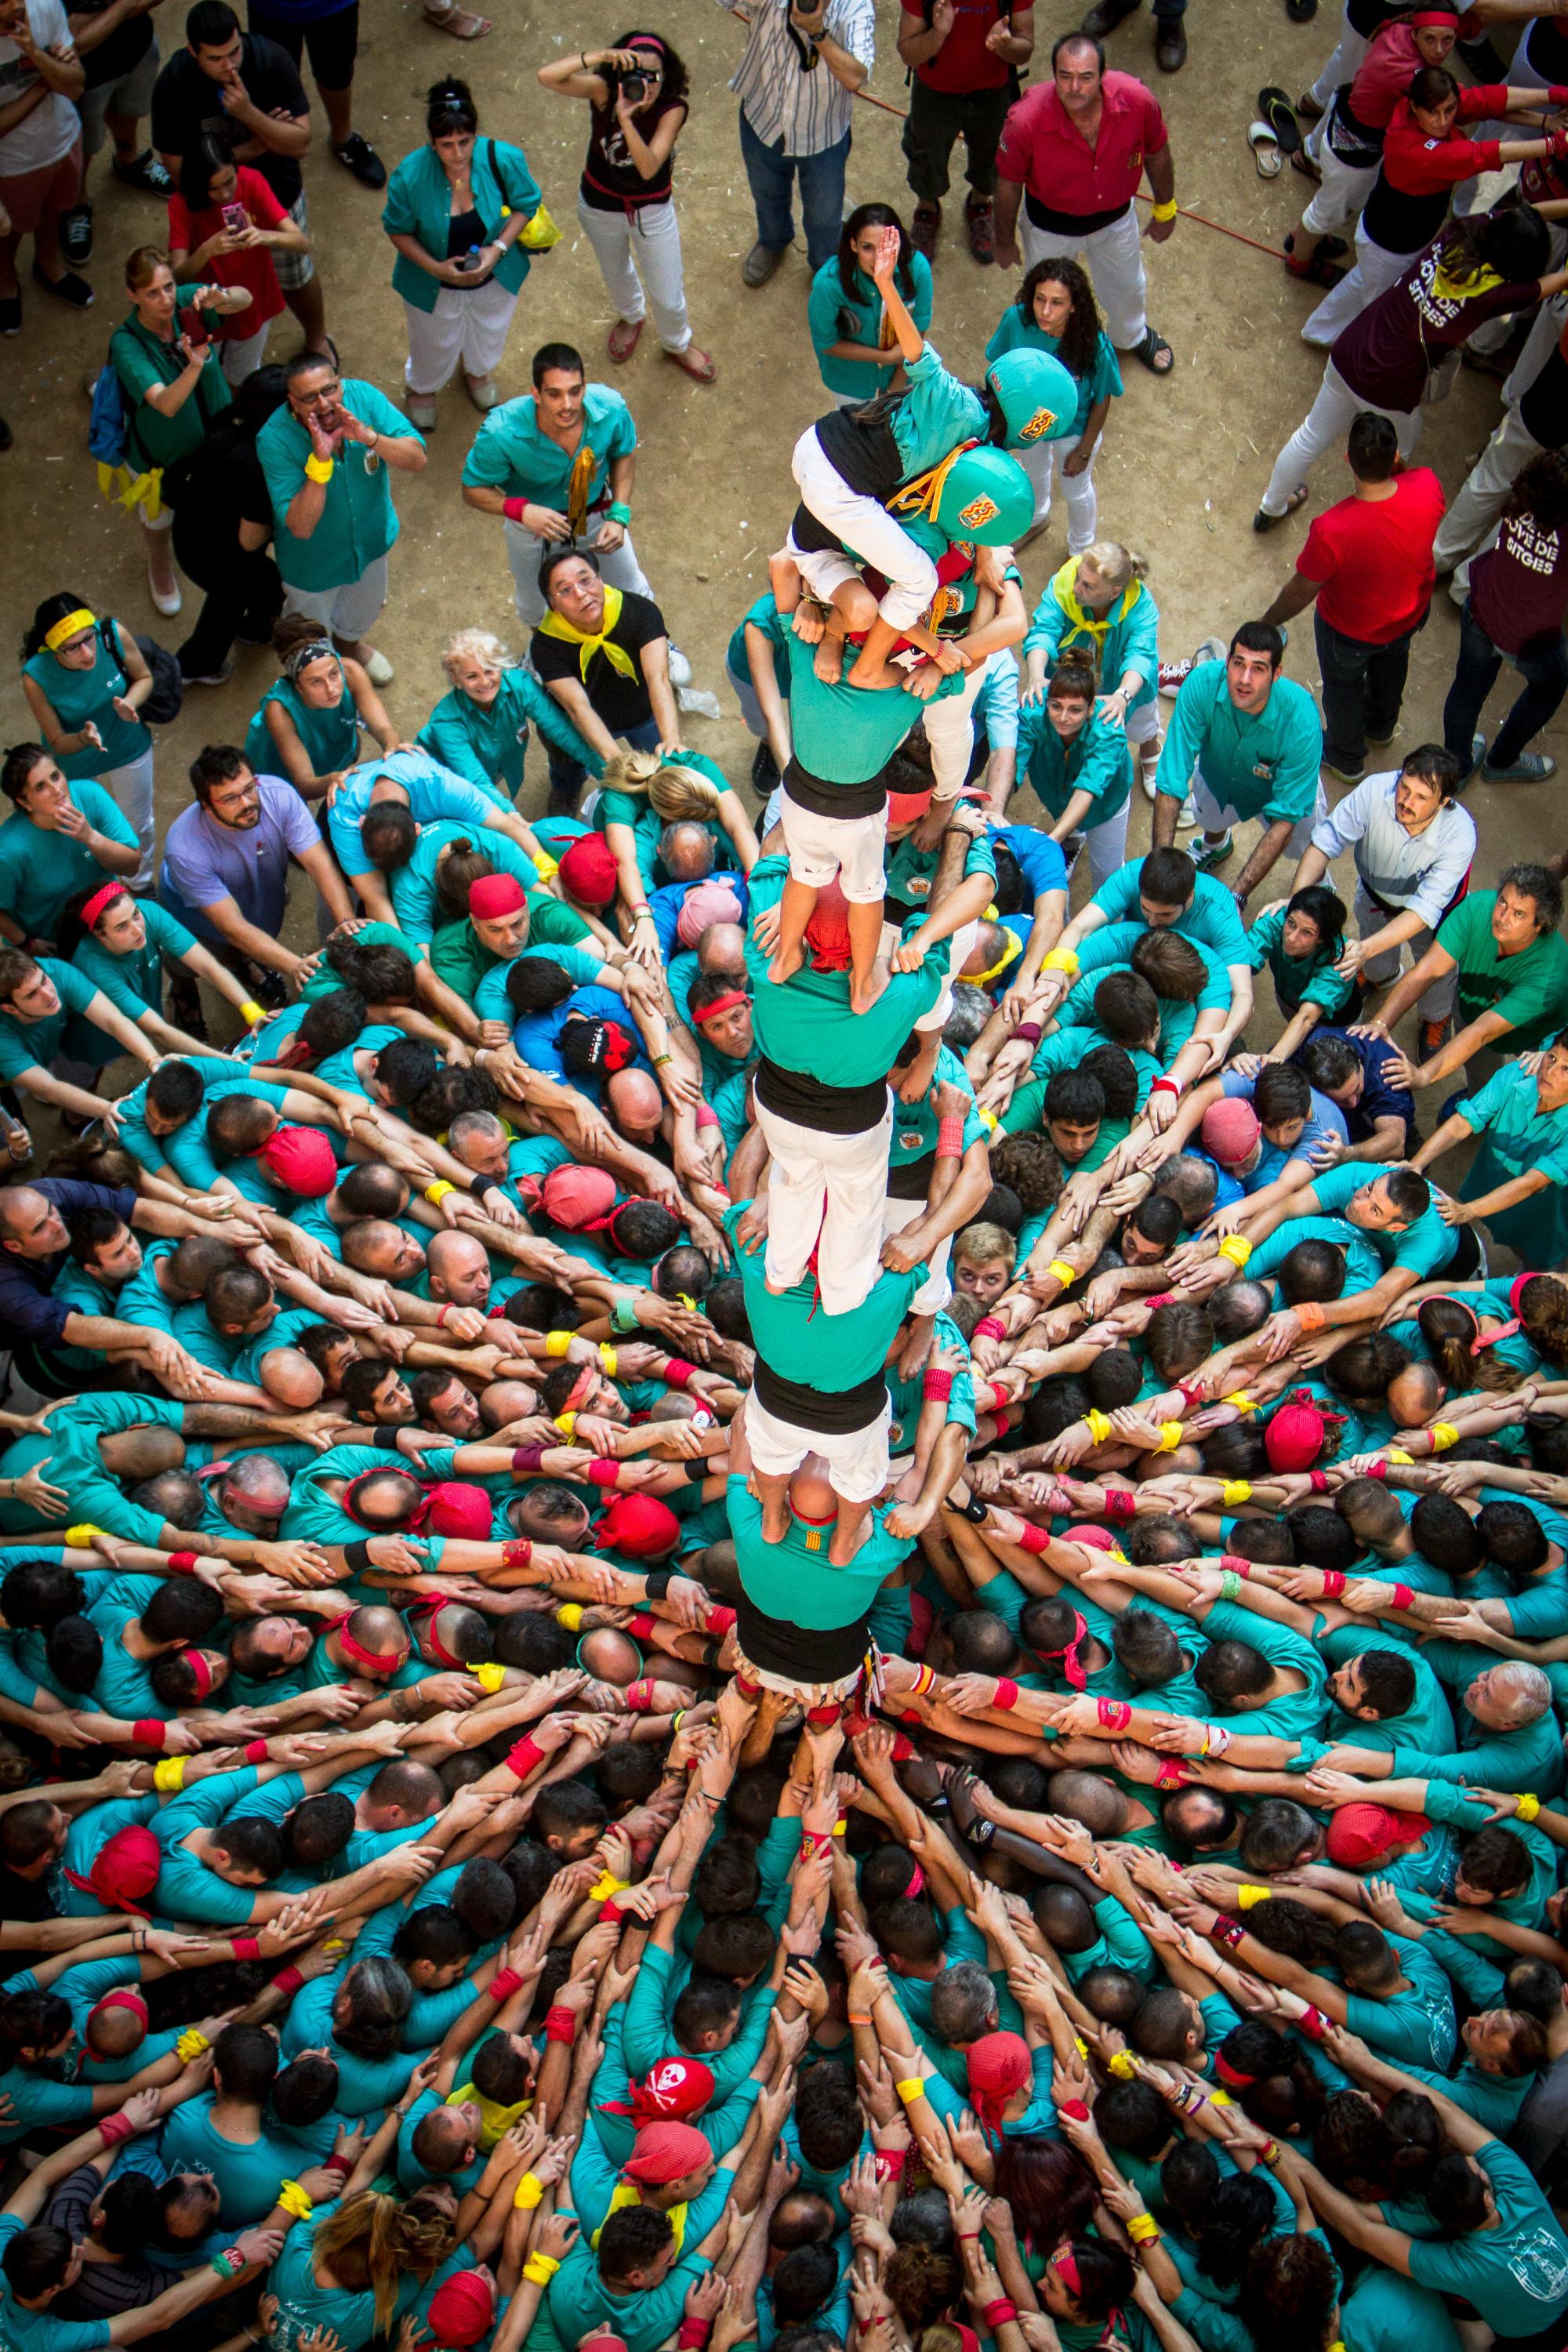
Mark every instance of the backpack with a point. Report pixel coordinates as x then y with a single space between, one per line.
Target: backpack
107 426
161 707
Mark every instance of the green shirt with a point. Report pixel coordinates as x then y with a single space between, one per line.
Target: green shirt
34 1044
805 1024
794 1581
133 983
1515 2274
1423 1247
1296 979
765 618
419 205
510 454
1209 918
141 359
486 744
41 871
1518 1139
1262 764
458 957
359 521
799 1340
329 738
79 695
846 734
1529 990
835 317
413 890
1097 760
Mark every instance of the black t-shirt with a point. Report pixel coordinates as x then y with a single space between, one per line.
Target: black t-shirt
802 1654
118 51
185 102
621 702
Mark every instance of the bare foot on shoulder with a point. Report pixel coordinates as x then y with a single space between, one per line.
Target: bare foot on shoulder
786 963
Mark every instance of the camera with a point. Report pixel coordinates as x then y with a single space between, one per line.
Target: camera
634 85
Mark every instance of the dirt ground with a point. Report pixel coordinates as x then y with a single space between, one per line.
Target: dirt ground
1182 464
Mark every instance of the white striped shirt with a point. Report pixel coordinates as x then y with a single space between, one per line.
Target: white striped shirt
1416 872
808 109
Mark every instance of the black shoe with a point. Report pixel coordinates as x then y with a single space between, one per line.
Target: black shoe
10 314
1171 45
764 768
76 234
1105 15
67 288
361 160
146 173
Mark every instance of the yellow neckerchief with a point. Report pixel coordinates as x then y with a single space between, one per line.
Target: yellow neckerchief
919 497
584 466
1084 621
496 2120
1448 287
552 625
624 2193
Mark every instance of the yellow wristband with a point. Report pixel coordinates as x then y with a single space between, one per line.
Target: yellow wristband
1246 1896
192 2042
1443 1434
1171 1435
1242 1402
1221 2099
1143 2229
530 2192
1525 1806
1166 211
557 1343
989 1119
435 1194
608 1360
168 1773
546 866
1081 2045
607 1885
1061 959
1099 1425
295 2199
1397 1453
318 470
539 2268
838 1829
334 1945
1123 2065
912 2088
1235 1491
1065 1274
81 1538
570 1614
490 1676
566 1423
252 1013
1238 1248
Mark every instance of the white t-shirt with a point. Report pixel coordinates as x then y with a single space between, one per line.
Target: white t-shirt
50 131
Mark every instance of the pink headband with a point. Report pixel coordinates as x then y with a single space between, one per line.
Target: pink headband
722 1004
1068 1655
99 899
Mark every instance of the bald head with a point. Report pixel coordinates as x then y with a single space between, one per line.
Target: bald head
812 1497
506 1400
258 1482
723 948
460 1268
635 1104
375 1246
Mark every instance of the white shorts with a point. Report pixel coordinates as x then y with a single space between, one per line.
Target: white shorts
936 1290
853 847
1214 819
857 1464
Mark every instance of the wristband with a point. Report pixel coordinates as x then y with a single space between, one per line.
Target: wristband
1216 1740
294 2199
490 1676
539 2268
998 2315
937 1386
1221 2099
1229 1584
1061 959
1227 1931
608 1360
925 1678
518 1553
608 1886
1098 1424
503 1984
1190 1391
566 1422
1318 1480
1167 1086
1166 211
1234 1562
1171 1435
341 2165
570 1614
1443 1434
692 2335
1076 2108
514 509
1123 2065
858 2020
1235 1491
1246 1896
618 511
557 1343
911 2089
890 2160
1394 1453
1243 1403
997 1393
1314 2024
182 1563
113 2130
228 2264
1143 2229
79 1539
256 1751
1335 1582
528 2192
1007 1694
1034 1540
318 470
1238 1248
252 1013
1065 1274
1309 1315
246 1947
525 1757
603 1472
441 1314
1115 1714
435 1194
991 1327
677 1372
290 1979
1402 1596
720 1620
191 2044
148 1732
1271 2155
624 1318
168 1773
638 1695
1175 1772
1526 1806
1030 1032
658 1582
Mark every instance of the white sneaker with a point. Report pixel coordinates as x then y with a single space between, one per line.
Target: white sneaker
379 670
421 409
679 668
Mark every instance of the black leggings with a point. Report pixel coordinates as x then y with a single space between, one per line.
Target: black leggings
331 42
244 590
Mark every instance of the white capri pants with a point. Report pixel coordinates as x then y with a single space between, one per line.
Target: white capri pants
1107 845
638 255
1342 65
857 1461
1114 257
468 323
1324 428
1345 190
618 567
1436 1002
131 789
241 355
853 847
1376 269
960 947
1216 820
350 612
950 731
866 527
826 1192
937 1288
1083 508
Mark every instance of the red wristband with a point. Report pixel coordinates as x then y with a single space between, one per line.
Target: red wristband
1006 1694
1030 1032
1076 2108
1402 1596
560 2024
1033 1539
1227 1931
525 1757
149 1732
1166 1085
991 1327
678 1372
1335 1582
183 1563
1120 1502
289 1980
721 1619
1159 1299
246 1947
692 2335
638 1695
999 1399
256 1751
996 2314
640 1624
950 1138
115 2129
610 1909
1192 1391
503 1984
513 509
1314 2025
1319 1481
1377 1469
603 1473
1115 1714
341 2165
1003 1415
1232 1563
903 1747
890 2162
519 1553
1173 1773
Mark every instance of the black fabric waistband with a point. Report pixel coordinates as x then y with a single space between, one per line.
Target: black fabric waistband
836 1413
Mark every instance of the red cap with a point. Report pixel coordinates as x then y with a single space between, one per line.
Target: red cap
579 1199
1294 1438
301 1161
124 1870
999 2065
1230 1131
462 2309
664 2152
495 895
588 871
675 2087
639 1524
1360 1833
453 1508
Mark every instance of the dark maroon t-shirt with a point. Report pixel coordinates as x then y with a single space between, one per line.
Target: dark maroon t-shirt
1385 355
1519 589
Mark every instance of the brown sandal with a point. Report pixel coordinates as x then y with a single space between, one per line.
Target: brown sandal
695 362
461 23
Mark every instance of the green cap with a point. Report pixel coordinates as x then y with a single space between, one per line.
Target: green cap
985 498
1038 396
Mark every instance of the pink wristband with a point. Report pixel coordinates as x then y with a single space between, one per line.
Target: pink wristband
1159 1299
1033 1539
991 1327
950 1138
528 1461
603 1473
1115 1714
256 1751
1319 1481
115 2129
246 1947
1335 1582
183 1563
148 1732
1232 1563
1120 1502
513 509
1402 1596
1006 1694
289 1980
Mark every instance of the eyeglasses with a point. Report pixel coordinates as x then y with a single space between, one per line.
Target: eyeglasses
313 399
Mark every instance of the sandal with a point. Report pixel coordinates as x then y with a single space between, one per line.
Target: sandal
1301 161
1263 521
461 23
1274 106
622 340
1265 150
696 363
1149 350
1321 270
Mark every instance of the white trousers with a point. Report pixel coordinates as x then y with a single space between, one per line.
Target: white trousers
856 1463
350 612
618 567
241 355
853 847
1083 508
131 789
468 323
1345 189
1114 259
868 528
1436 1002
1479 503
950 731
1520 75
1376 270
826 1193
1107 845
1216 820
639 255
937 1288
1342 65
1325 427
960 947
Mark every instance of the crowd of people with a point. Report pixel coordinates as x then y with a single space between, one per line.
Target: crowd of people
708 1561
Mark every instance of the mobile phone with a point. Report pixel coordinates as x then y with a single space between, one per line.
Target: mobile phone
235 217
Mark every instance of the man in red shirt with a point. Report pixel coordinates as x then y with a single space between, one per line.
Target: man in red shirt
1368 562
963 57
1074 152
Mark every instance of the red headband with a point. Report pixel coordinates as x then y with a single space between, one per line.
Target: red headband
722 1004
1068 1655
100 900
1066 2262
1444 16
584 1380
196 1661
122 1998
917 1883
374 1661
1232 2074
431 1612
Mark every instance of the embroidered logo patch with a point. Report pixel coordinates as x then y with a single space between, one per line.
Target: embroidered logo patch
1041 422
979 512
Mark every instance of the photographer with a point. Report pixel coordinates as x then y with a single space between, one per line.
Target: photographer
636 95
795 120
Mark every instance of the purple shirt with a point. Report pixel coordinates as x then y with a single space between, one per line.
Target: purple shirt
204 861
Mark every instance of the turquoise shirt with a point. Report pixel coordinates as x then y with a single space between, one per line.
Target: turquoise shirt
359 521
41 871
487 745
510 454
1014 332
804 1024
1424 1247
765 616
413 885
1518 1136
133 983
79 695
1262 765
1124 637
420 203
846 734
1209 919
34 1044
1296 979
1098 760
329 738
835 317
934 415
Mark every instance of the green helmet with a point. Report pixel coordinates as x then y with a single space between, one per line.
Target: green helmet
1038 396
985 498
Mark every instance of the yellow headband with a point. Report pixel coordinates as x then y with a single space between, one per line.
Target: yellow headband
71 626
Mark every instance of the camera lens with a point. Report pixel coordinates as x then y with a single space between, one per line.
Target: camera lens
634 85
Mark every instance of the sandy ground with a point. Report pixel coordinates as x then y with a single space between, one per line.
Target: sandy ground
1182 465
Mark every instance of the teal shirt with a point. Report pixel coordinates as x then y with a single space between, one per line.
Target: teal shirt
846 734
413 886
835 317
1264 765
511 455
794 1580
799 1340
34 1044
934 415
359 521
329 738
1515 2276
419 205
1014 332
79 695
134 983
1518 1136
804 1024
1296 979
487 745
1125 637
1098 760
1424 1247
41 871
1209 919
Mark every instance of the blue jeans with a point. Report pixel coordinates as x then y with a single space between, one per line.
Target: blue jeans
568 776
772 174
1545 679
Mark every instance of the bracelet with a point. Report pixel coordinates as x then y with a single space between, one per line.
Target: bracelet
1123 2065
290 1979
1309 1315
1030 1032
113 2129
1235 1491
1229 1584
168 1773
503 1984
539 2268
1246 1896
252 1013
182 1563
1065 1274
1227 1931
528 2192
557 1343
1171 1435
1216 1740
856 2020
148 1731
1335 1582
1007 1696
659 1060
1238 1248
1221 2099
1314 2024
608 1360
229 2264
1526 1806
294 2199
618 511
1143 2229
1166 211
1402 1596
435 1194
524 1758
624 1318
912 2088
998 2315
1120 1502
318 470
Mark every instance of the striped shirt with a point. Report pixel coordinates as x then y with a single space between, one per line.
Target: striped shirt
782 99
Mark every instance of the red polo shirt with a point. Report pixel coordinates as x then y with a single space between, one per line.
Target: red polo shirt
1067 183
1373 558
